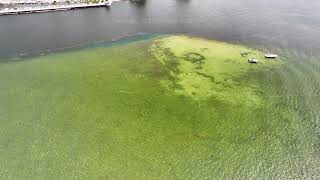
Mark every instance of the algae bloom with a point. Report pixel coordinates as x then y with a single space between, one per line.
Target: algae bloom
157 107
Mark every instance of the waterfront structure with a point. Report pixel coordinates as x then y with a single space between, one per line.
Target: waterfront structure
25 9
43 1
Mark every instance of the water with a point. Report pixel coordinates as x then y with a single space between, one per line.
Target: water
284 24
288 28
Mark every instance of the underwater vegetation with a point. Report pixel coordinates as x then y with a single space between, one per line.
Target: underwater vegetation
165 107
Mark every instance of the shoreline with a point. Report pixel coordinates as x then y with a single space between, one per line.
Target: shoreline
52 8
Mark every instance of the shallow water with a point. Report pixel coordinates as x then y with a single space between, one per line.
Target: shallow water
280 140
109 111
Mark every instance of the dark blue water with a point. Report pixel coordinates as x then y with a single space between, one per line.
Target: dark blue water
289 24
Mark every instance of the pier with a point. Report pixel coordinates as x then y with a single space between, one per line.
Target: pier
51 8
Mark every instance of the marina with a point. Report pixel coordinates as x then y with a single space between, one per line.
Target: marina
51 8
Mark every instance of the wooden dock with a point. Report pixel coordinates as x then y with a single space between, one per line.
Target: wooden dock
51 8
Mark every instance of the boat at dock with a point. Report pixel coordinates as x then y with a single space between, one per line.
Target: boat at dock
108 3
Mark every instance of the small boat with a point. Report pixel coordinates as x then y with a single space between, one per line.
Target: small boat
108 3
269 55
253 60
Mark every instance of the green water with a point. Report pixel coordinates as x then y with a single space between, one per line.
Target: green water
167 107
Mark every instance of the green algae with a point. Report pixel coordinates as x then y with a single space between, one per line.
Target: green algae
172 107
208 69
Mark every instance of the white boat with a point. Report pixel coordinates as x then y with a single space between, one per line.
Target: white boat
269 55
253 60
108 3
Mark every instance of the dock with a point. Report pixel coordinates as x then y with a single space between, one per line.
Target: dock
50 8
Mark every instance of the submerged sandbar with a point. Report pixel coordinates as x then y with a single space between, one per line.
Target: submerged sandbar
168 107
